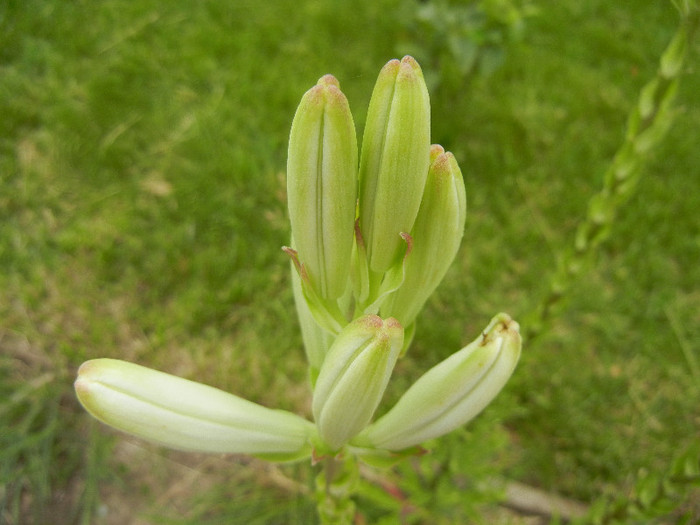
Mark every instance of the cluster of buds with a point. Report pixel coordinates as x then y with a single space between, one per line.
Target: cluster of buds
373 234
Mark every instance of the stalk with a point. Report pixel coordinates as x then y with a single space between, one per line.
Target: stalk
335 486
648 123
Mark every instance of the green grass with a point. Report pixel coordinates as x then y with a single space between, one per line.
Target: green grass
142 207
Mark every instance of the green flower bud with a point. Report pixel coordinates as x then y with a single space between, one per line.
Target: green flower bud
185 415
322 186
436 236
317 341
353 377
394 160
451 393
674 56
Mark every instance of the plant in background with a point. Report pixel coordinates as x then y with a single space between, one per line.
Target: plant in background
371 240
464 37
655 498
647 125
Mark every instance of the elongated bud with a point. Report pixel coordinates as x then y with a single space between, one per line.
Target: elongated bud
185 415
394 161
354 376
436 236
322 185
452 392
317 341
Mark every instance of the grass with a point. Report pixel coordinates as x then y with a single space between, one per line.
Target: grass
142 207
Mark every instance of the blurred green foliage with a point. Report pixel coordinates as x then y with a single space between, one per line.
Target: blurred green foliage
461 38
668 497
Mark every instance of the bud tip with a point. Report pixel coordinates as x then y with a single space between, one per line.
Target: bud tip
328 80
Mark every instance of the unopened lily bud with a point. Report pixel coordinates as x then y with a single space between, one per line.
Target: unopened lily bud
353 377
317 341
322 186
452 392
394 160
436 236
185 415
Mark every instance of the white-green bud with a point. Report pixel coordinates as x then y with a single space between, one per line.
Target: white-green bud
451 393
353 377
394 160
322 186
185 415
317 341
436 236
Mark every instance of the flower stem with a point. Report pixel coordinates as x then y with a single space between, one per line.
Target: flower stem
335 485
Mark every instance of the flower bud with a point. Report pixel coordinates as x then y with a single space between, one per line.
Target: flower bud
317 341
322 186
394 160
436 236
353 377
452 392
185 415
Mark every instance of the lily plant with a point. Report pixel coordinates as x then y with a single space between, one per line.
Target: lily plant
373 232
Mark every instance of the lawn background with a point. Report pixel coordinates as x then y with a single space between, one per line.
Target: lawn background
142 208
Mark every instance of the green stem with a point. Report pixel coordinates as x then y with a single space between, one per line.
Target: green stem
335 486
646 127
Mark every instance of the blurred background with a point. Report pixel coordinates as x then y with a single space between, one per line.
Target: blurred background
142 211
